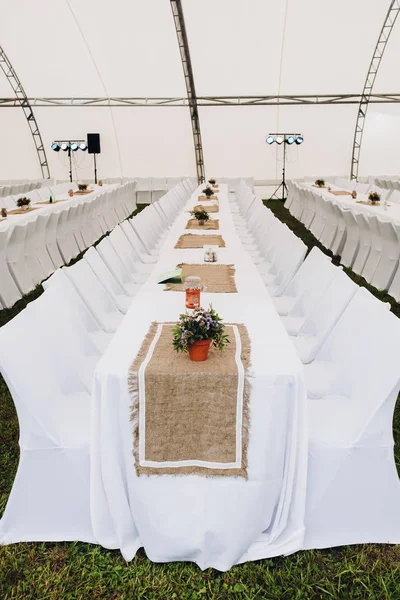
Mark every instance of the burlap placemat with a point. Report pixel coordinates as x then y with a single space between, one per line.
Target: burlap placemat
191 240
83 192
208 225
205 198
217 278
54 201
210 208
319 187
368 203
340 193
190 412
21 211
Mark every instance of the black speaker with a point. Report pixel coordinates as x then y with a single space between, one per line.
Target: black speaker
93 143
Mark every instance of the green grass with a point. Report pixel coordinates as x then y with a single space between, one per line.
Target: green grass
81 571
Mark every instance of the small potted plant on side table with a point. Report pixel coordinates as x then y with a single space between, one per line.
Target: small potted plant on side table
24 203
320 183
201 215
195 332
82 187
374 197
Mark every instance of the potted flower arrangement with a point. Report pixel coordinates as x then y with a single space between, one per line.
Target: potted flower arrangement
82 187
320 183
374 197
200 214
24 203
208 192
195 332
212 181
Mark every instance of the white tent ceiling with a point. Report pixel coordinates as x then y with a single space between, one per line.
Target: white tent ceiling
128 48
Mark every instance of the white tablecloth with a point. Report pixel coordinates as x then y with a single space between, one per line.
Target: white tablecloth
391 213
215 522
43 209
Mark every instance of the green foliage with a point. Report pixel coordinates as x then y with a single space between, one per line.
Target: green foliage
23 201
200 214
82 187
320 182
199 325
208 191
211 181
374 197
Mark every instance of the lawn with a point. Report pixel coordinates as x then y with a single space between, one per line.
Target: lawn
81 571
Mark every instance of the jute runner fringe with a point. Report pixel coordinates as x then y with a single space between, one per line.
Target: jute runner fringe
208 225
212 208
192 412
368 203
191 240
340 193
203 198
216 277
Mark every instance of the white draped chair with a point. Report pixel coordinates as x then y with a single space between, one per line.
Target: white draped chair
324 316
353 490
9 292
138 270
51 239
15 256
364 248
306 278
105 276
284 267
79 309
137 246
389 260
49 500
30 257
116 266
95 296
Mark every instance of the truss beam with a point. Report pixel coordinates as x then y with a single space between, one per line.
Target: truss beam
191 99
367 96
202 101
21 100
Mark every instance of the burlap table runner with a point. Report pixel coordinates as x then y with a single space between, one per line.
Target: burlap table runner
319 187
190 417
340 193
205 198
217 278
83 192
54 201
191 240
21 211
368 203
194 224
210 209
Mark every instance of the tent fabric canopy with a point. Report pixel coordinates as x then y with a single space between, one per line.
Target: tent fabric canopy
75 49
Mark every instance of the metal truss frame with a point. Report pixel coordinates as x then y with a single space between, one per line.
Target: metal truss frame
366 96
21 100
203 101
191 99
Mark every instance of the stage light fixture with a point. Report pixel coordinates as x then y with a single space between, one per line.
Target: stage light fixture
279 139
74 146
83 146
64 147
270 139
55 147
299 140
290 140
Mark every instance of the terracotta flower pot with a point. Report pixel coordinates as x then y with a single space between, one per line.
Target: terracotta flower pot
199 350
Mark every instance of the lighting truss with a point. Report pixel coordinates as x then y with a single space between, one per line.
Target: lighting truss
366 96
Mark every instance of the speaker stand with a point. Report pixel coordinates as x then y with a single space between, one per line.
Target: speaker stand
95 169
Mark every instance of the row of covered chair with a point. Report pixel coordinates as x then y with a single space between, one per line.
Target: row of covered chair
23 187
32 250
349 342
366 243
75 319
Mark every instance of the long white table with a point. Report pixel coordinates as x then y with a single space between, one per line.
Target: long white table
215 522
390 213
64 202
